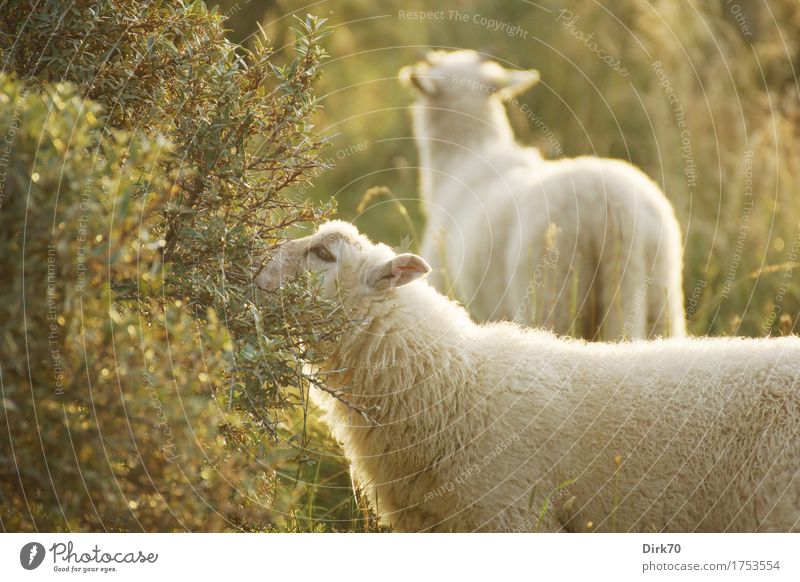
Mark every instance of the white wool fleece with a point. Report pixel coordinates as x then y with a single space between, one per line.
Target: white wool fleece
612 258
501 428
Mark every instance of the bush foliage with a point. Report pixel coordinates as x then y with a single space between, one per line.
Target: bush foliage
145 166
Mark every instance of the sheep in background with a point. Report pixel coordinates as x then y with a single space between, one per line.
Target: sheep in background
497 427
549 243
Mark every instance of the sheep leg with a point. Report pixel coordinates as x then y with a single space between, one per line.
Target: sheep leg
665 313
625 309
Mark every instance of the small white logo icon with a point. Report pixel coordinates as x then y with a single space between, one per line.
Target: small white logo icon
31 555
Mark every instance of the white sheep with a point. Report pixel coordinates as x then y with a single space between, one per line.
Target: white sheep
609 266
498 427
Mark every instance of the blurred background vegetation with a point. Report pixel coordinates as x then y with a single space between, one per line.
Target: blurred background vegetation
707 105
731 171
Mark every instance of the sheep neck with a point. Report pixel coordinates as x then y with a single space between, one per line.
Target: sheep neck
397 359
445 133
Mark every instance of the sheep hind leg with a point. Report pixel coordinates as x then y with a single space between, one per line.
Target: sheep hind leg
624 310
659 314
591 313
571 302
665 313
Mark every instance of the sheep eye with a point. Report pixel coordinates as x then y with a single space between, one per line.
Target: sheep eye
323 254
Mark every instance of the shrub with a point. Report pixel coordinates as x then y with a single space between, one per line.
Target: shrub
145 167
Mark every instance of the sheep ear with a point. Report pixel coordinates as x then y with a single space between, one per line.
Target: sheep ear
424 84
399 271
517 82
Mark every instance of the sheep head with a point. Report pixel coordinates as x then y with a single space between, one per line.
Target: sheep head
447 76
350 267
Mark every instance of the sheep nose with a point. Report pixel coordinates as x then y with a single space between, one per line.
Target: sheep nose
263 280
268 277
